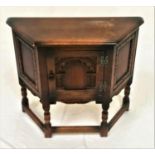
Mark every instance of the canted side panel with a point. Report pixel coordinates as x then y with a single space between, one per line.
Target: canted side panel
26 63
123 60
123 63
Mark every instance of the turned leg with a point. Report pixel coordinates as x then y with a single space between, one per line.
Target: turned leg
126 99
25 102
47 124
104 124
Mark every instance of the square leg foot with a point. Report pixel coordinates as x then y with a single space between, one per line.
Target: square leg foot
24 108
47 131
104 134
126 106
48 135
104 130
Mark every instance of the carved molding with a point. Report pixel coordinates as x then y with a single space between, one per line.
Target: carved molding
62 63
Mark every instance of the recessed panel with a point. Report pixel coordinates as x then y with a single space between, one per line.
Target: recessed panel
75 77
123 57
75 73
27 61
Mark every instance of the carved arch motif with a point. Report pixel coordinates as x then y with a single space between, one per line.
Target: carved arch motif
86 66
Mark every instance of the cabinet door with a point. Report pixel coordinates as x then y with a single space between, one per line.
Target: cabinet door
73 75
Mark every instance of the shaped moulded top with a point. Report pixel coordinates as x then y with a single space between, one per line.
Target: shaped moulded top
74 31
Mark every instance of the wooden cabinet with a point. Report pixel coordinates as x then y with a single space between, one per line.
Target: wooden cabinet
75 60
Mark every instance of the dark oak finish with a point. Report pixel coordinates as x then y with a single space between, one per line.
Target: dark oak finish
75 60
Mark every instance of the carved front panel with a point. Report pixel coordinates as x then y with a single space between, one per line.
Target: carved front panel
75 73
